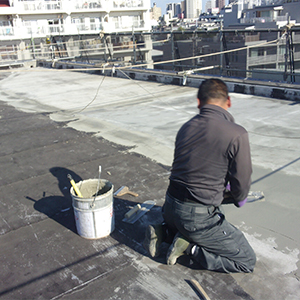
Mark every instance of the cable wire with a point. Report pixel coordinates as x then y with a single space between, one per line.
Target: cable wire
94 96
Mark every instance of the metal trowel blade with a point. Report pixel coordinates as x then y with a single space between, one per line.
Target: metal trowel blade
145 207
255 196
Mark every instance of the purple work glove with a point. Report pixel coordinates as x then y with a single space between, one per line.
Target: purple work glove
228 198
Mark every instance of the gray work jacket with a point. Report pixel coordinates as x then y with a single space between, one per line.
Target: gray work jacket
210 152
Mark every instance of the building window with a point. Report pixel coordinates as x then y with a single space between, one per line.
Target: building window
257 52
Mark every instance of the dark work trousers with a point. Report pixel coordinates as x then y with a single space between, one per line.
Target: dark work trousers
220 246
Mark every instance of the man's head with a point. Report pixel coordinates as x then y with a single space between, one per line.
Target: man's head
213 91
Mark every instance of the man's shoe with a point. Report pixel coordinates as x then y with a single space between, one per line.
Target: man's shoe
153 239
177 249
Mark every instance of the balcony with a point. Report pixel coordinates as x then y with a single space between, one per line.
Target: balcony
121 4
270 59
55 29
109 5
8 53
263 59
6 31
83 27
78 5
296 38
263 20
119 26
37 5
87 5
252 38
28 30
42 30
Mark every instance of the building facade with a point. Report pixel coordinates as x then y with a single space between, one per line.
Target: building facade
193 8
24 19
155 12
279 22
28 23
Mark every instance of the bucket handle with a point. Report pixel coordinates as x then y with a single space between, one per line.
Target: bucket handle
98 185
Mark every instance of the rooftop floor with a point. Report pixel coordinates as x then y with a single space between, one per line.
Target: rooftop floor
56 122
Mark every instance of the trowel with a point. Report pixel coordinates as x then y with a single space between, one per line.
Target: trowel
255 196
138 211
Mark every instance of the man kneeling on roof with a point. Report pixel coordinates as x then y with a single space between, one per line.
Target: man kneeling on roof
211 166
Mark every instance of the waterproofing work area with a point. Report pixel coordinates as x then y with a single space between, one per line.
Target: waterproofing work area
59 122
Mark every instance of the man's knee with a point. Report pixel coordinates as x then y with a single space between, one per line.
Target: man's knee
252 261
248 265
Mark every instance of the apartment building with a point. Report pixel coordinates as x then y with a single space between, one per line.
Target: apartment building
193 8
155 12
280 21
72 22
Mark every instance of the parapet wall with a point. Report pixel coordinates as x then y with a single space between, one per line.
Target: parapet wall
276 90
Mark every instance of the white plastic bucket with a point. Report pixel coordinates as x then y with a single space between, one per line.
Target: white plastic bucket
94 213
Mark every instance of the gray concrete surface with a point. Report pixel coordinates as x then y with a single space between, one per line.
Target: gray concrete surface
139 118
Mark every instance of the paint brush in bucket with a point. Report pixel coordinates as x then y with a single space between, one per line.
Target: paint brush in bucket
97 191
75 187
99 182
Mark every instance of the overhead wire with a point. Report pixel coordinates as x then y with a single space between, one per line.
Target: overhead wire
164 62
94 96
216 53
150 93
205 55
154 63
172 60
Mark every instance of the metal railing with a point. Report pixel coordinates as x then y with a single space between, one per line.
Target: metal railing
27 28
6 31
38 5
127 4
55 29
105 5
125 26
263 19
8 53
181 51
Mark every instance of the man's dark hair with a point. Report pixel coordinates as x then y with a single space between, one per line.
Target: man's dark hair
211 89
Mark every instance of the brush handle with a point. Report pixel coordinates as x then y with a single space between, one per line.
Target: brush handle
75 187
132 193
199 289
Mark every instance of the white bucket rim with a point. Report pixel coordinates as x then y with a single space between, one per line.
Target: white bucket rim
99 197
